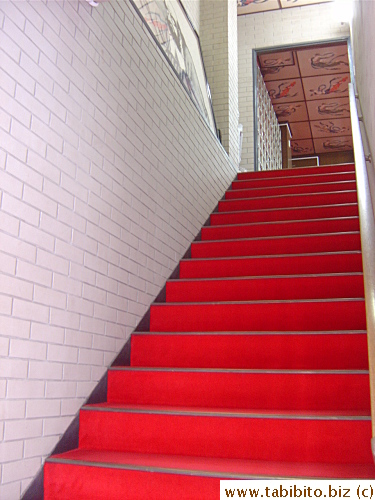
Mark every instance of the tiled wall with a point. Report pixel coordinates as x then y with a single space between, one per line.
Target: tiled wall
277 28
107 172
218 27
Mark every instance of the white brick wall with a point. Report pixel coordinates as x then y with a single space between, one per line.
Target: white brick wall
218 24
277 28
107 172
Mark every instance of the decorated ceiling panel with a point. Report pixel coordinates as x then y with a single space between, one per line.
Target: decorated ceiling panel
308 87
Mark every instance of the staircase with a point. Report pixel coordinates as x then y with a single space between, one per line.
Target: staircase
255 366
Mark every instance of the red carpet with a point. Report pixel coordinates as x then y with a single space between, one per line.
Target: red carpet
256 364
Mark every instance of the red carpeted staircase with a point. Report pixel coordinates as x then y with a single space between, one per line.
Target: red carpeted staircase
256 364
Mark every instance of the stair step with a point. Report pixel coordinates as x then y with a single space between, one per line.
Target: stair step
93 474
296 172
298 350
256 230
293 180
291 190
260 316
226 434
242 389
284 214
344 262
270 288
288 201
278 245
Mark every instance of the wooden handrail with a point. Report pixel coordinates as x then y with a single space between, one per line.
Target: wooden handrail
367 226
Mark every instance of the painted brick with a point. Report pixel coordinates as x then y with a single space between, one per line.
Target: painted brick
65 319
20 469
25 389
33 273
67 284
79 339
47 333
13 368
45 168
38 238
77 372
20 209
56 425
42 408
39 446
5 305
60 389
12 49
25 310
54 227
12 409
50 261
81 273
42 370
71 406
9 225
48 297
25 174
13 146
27 138
27 349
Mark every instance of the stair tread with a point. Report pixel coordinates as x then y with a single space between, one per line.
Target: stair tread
241 371
262 301
216 467
267 277
280 222
258 198
230 412
254 332
342 184
286 237
273 256
304 177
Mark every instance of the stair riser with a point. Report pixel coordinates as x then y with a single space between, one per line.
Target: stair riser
266 391
318 287
73 482
309 200
248 351
227 437
277 246
282 229
300 213
272 266
274 316
291 181
288 190
295 172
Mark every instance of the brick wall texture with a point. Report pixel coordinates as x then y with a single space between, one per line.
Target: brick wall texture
107 172
291 26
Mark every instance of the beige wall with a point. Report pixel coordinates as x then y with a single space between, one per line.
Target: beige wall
107 172
363 38
277 28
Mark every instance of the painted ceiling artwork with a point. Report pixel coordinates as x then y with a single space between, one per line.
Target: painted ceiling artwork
254 6
308 87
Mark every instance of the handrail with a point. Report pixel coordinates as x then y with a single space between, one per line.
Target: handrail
367 226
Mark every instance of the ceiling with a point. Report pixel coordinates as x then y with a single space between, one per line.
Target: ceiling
254 6
308 87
